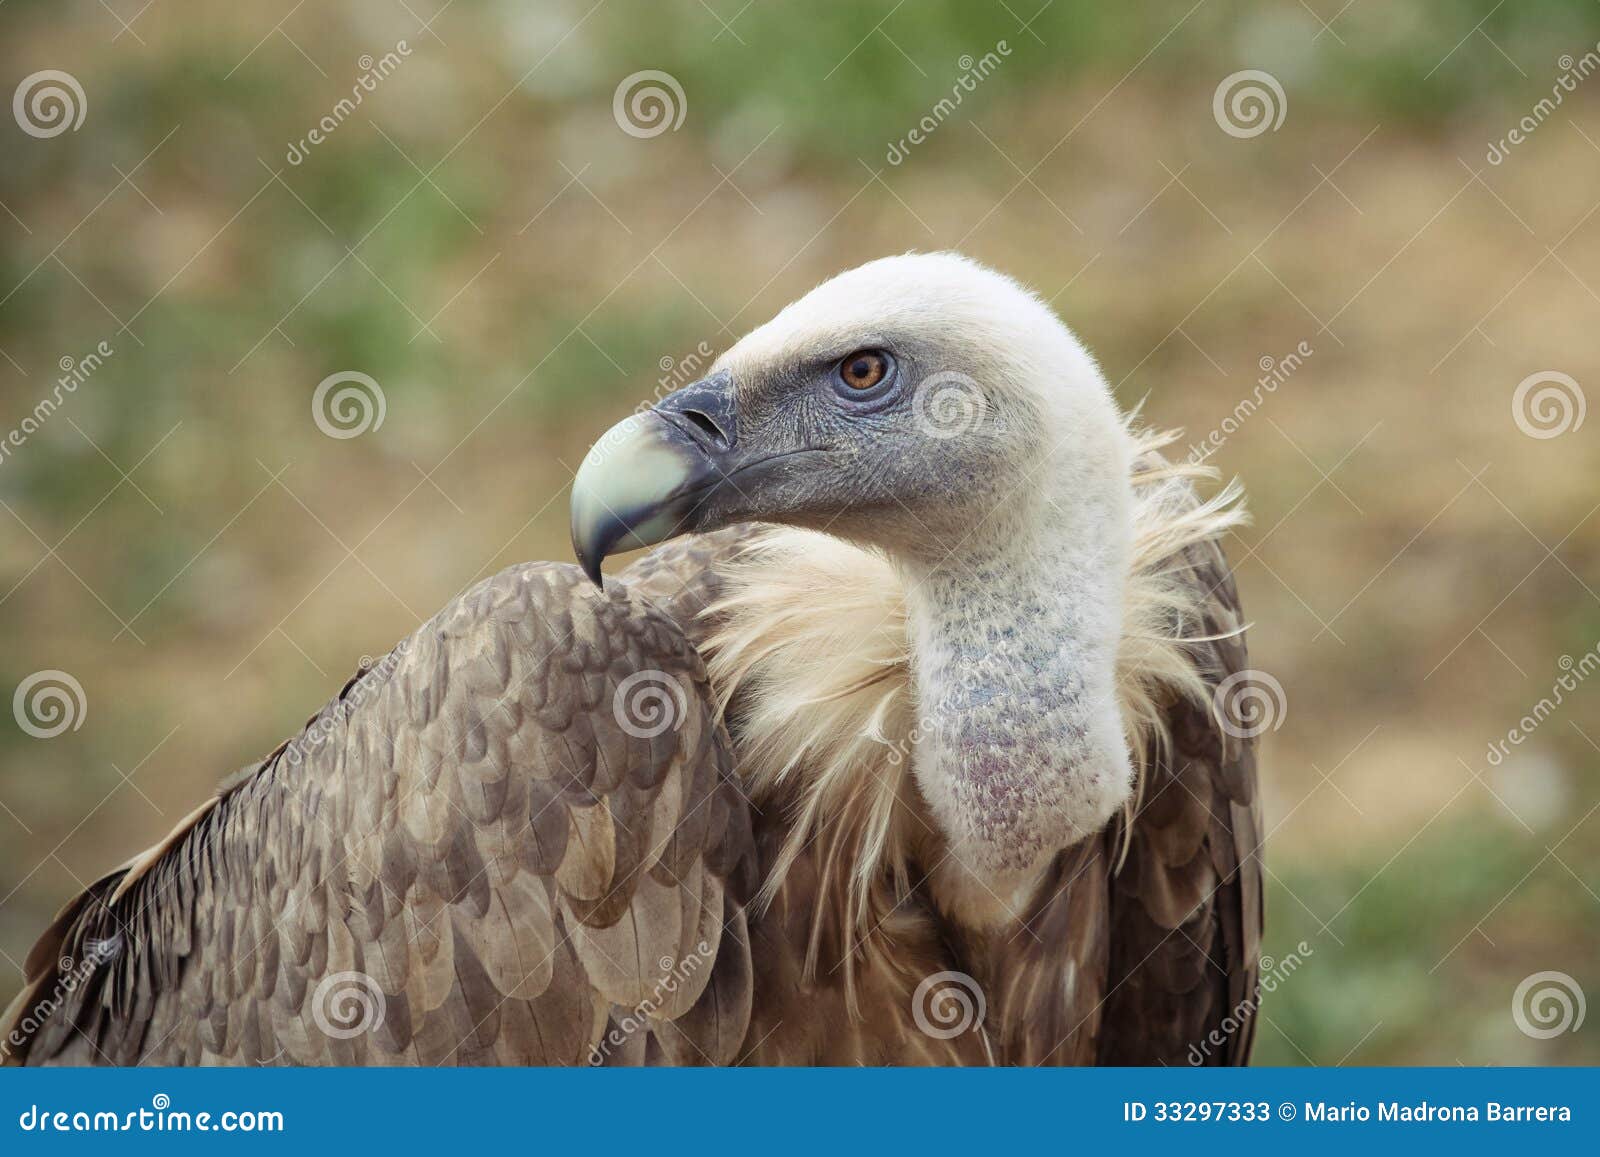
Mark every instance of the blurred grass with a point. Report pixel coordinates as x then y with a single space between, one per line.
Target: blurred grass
1412 613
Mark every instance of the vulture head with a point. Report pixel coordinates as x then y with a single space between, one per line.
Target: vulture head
936 412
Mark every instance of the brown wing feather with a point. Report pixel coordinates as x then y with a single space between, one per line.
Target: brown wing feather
468 838
1186 908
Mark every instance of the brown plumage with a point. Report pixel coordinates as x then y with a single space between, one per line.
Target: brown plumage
478 836
469 826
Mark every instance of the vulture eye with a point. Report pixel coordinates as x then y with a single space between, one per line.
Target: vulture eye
862 372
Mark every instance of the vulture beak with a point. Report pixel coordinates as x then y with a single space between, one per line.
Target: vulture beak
648 476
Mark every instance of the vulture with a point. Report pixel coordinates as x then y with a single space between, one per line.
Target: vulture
901 746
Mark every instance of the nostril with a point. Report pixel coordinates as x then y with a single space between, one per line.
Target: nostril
707 426
704 411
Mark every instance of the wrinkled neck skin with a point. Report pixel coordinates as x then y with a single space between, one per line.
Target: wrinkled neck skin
1020 751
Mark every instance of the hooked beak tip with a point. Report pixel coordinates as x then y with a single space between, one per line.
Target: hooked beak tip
635 488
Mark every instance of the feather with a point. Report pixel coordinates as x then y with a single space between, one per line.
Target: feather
455 859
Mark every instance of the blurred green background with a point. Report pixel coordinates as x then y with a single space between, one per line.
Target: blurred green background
514 270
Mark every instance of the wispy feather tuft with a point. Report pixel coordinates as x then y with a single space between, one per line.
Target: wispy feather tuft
810 656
